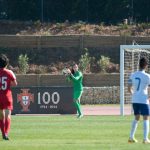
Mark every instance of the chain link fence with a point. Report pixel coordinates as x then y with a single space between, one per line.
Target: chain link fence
101 95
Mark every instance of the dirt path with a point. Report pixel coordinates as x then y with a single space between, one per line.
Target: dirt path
104 110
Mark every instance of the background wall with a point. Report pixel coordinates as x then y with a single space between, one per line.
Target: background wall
49 49
90 80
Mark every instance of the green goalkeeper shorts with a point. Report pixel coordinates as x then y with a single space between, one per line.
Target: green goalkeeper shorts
77 94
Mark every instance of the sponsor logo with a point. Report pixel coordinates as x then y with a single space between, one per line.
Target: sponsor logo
25 98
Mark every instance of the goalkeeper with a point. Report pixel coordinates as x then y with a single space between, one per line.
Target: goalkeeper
76 77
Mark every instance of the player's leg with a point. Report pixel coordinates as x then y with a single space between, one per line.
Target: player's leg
145 129
134 125
78 107
7 118
2 121
7 122
133 129
77 96
145 112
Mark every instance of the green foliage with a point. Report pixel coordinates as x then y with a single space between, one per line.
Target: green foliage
104 63
84 61
23 63
123 26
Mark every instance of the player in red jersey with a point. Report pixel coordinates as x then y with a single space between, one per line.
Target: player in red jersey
7 79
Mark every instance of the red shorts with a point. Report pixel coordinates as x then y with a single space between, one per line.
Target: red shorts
6 103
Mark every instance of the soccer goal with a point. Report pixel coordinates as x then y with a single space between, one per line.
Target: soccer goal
129 62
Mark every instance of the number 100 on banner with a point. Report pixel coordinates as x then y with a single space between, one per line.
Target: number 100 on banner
48 98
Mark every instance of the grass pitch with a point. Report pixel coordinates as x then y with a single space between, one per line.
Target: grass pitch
66 132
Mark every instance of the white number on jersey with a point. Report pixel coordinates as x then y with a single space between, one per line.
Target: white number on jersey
3 81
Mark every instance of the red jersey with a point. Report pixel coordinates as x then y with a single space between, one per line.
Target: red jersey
6 76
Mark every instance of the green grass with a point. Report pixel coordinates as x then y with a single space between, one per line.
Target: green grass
66 132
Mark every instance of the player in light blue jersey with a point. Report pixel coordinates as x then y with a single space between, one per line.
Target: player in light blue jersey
138 85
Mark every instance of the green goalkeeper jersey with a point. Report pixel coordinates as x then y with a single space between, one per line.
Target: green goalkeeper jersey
77 79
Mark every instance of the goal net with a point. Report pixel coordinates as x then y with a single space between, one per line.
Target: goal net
129 62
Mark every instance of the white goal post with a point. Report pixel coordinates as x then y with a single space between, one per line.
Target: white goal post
129 62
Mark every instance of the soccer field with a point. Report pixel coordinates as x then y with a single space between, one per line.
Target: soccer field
66 132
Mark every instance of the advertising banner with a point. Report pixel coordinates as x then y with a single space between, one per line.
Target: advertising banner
43 100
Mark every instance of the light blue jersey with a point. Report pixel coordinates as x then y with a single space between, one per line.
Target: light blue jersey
140 81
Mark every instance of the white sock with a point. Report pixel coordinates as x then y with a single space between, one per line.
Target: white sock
133 128
146 129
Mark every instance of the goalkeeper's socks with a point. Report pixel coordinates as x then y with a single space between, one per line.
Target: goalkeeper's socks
146 129
7 125
2 126
133 128
77 105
